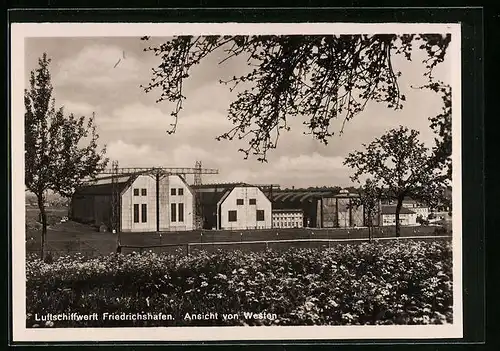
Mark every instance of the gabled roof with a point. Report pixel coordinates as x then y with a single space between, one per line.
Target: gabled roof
210 198
213 194
390 209
219 185
104 186
298 195
224 197
191 190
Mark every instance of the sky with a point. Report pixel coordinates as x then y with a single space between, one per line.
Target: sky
133 126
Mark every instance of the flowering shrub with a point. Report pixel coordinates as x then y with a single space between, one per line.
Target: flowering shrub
405 282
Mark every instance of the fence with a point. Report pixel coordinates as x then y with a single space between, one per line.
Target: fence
260 245
188 242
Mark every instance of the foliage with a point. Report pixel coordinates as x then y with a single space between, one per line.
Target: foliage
60 151
399 162
320 77
369 197
441 125
408 282
422 221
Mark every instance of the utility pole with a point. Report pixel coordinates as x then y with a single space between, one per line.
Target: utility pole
198 213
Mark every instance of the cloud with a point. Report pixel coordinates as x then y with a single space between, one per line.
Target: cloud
145 155
140 117
302 170
314 163
78 108
98 66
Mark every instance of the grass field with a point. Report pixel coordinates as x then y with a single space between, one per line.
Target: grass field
71 237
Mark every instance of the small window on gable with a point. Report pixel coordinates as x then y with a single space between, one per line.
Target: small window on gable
252 201
143 192
136 192
173 191
239 202
180 191
260 215
232 216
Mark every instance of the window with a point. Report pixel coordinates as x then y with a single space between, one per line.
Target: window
173 191
181 211
232 216
143 192
260 215
239 201
136 192
252 201
180 191
144 212
136 212
173 212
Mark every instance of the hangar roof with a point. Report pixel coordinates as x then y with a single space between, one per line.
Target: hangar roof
104 186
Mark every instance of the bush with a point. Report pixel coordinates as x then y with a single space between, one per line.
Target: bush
407 282
440 230
422 221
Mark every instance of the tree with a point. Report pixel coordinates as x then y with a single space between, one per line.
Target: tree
322 77
369 198
60 151
402 165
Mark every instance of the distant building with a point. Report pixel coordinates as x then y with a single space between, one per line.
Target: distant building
324 208
234 206
143 204
288 218
340 210
418 207
300 199
406 216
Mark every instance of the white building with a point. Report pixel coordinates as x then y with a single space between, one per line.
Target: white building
244 207
420 209
406 216
288 218
142 207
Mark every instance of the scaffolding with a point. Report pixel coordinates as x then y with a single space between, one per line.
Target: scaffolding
197 175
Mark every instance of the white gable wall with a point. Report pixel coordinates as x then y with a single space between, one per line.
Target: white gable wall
129 200
246 217
186 200
165 199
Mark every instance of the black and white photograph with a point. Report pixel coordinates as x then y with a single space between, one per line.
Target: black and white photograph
186 182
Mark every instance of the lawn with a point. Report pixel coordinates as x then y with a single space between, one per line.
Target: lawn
71 237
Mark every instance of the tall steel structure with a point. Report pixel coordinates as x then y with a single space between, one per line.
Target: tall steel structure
197 175
157 173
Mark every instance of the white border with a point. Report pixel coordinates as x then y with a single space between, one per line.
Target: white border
20 31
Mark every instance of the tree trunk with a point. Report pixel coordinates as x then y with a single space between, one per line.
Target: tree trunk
43 214
370 228
398 210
